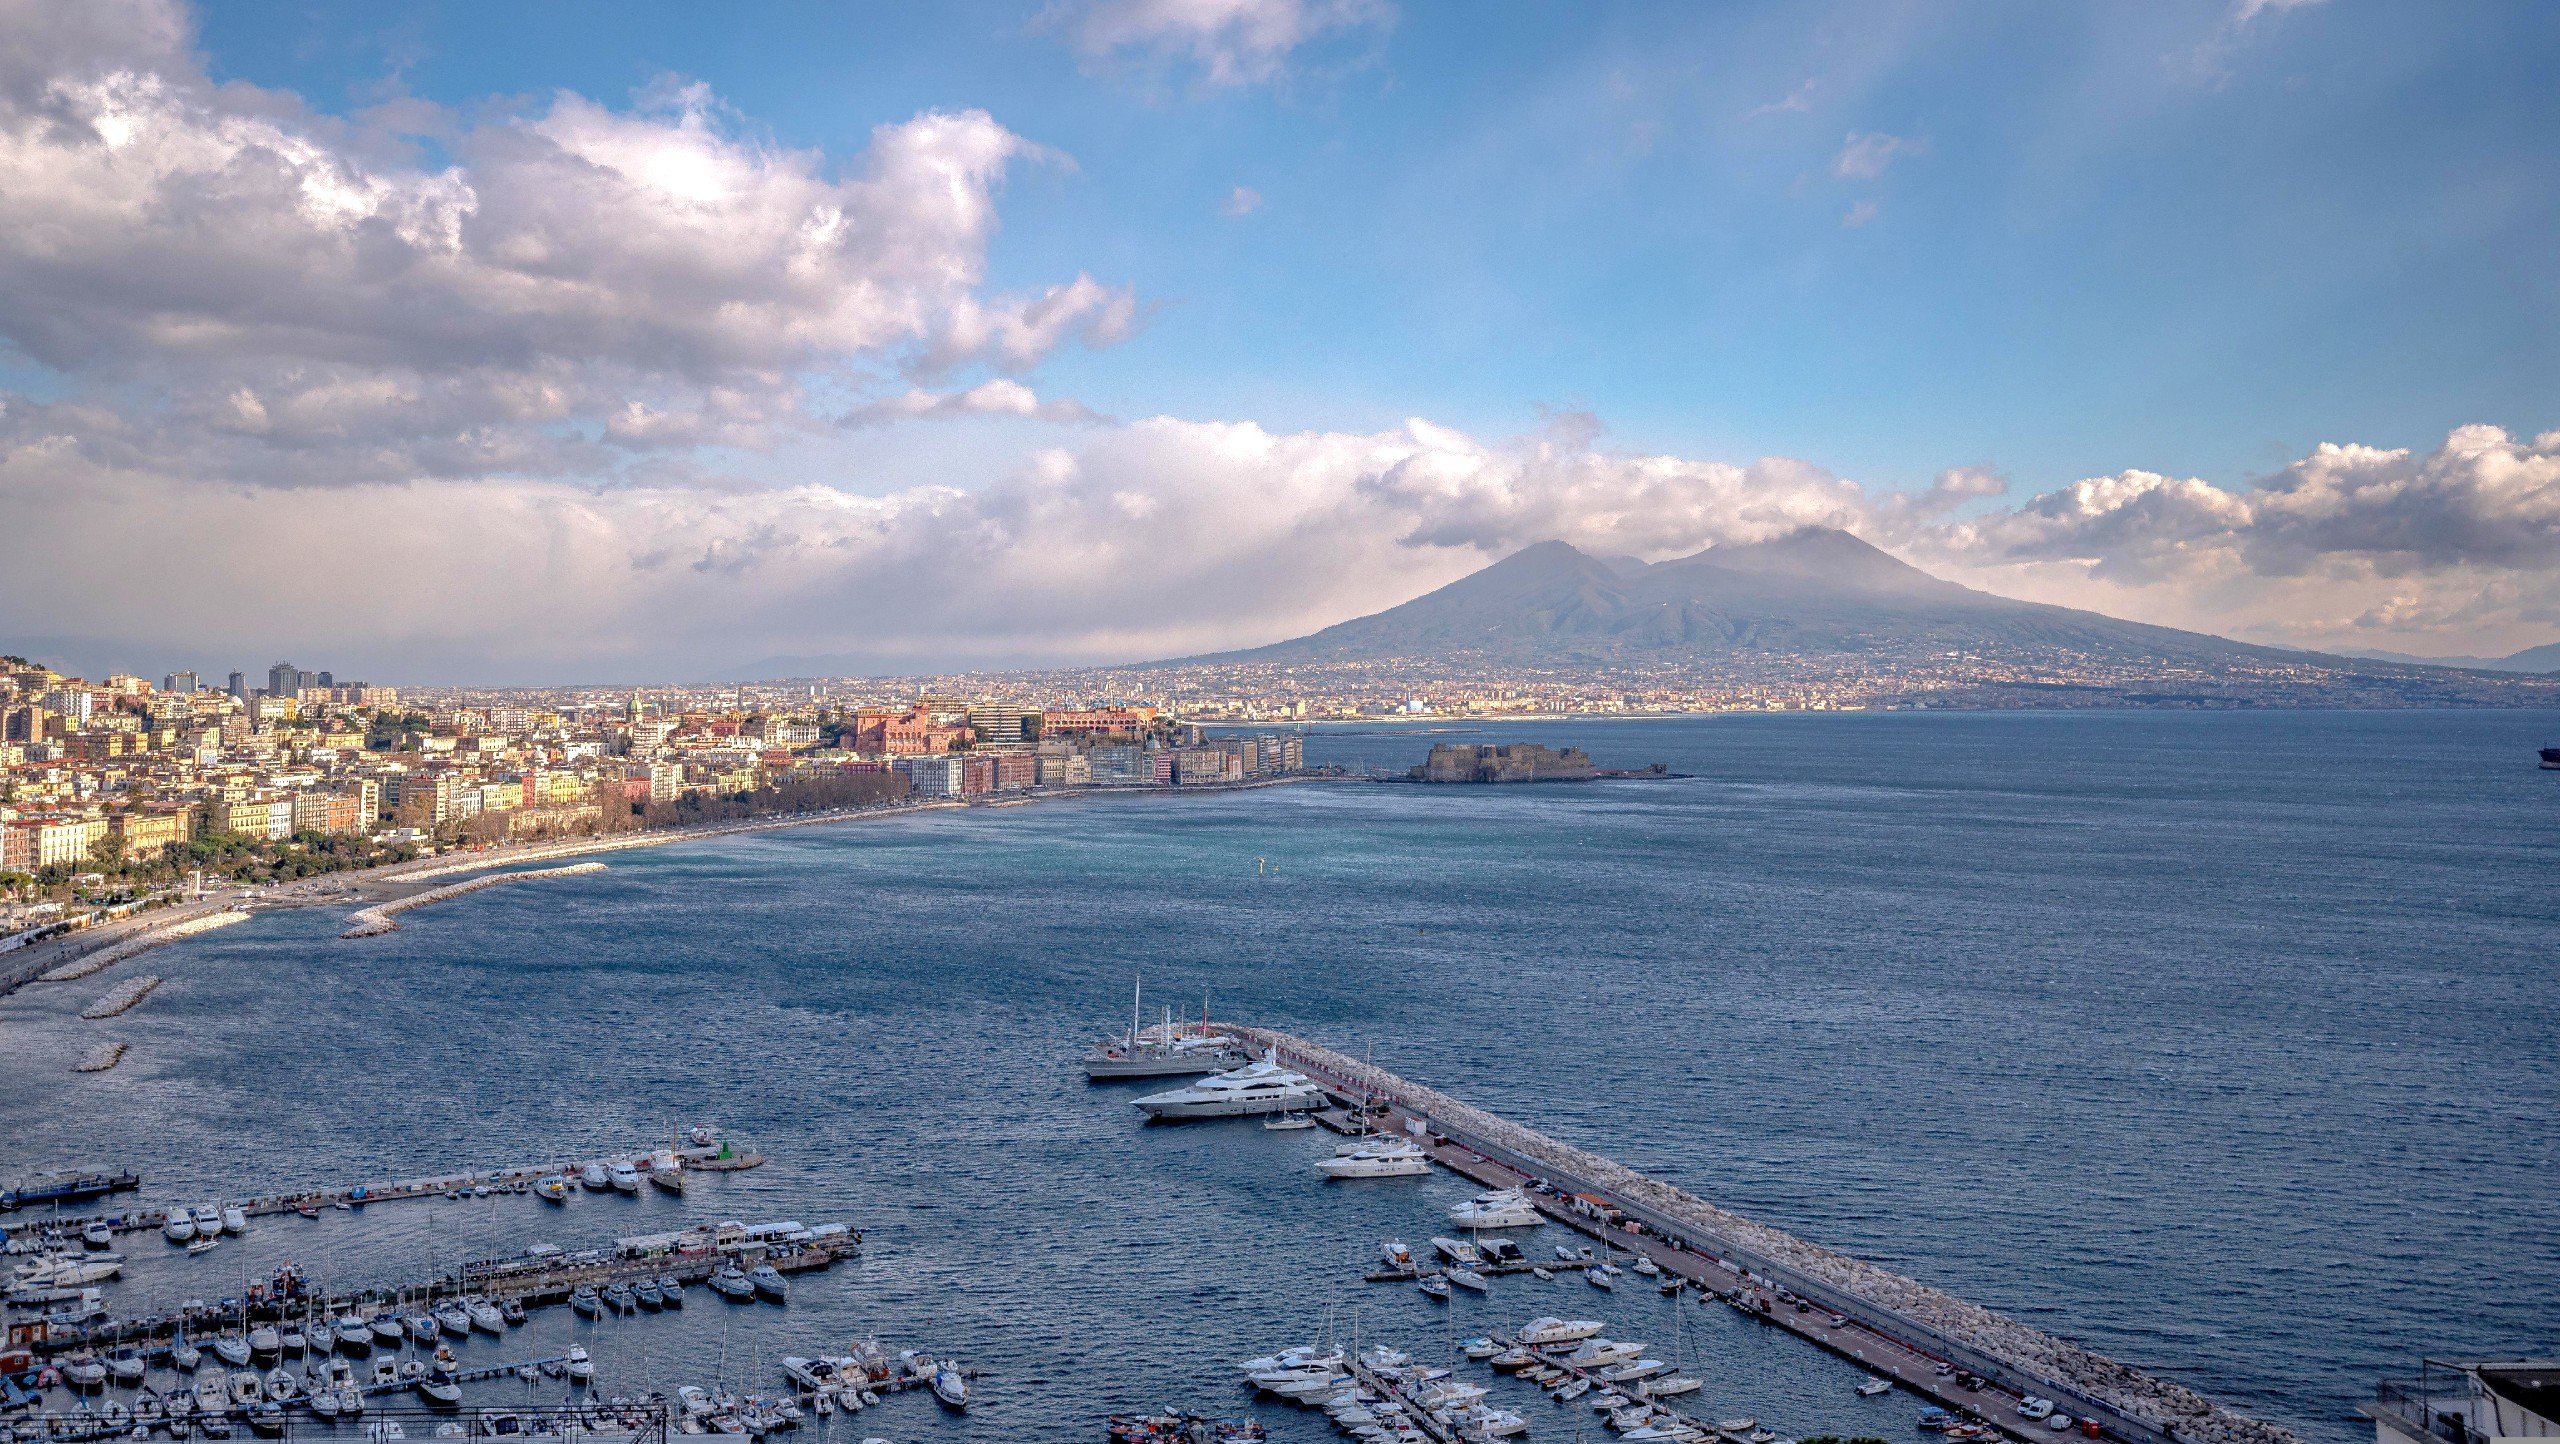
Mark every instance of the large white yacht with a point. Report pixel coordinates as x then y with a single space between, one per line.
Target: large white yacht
1377 1158
1547 1330
1262 1086
1502 1208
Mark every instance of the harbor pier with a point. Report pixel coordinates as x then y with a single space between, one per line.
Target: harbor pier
1921 1337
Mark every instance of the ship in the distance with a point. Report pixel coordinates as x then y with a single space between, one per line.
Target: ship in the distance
2551 758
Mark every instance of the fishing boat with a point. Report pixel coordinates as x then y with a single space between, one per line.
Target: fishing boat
553 1189
666 1171
951 1387
769 1283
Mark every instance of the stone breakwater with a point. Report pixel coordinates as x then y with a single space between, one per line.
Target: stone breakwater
377 919
100 1058
106 958
2162 1405
121 997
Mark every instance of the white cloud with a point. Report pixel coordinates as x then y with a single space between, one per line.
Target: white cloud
1002 396
1242 201
1224 43
1794 102
1866 154
660 273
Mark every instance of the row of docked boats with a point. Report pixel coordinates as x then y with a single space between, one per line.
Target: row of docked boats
1384 1396
857 1380
203 1224
644 1295
663 1170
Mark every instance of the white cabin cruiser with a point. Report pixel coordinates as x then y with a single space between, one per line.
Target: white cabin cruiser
1502 1208
1262 1086
1379 1158
1547 1330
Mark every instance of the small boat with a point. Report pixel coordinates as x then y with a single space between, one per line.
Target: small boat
84 1372
454 1319
581 1367
423 1328
671 1289
951 1387
292 1340
202 1245
232 1349
438 1389
553 1189
769 1283
125 1367
1542 1273
353 1336
1469 1280
1742 1426
617 1297
97 1235
485 1316
234 1220
511 1310
265 1342
387 1328
1873 1387
1287 1123
1647 1267
1436 1285
594 1179
1572 1390
728 1282
184 1356
587 1301
1599 1278
645 1293
623 1177
1396 1255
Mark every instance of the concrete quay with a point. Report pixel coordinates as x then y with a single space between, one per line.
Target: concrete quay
1898 1327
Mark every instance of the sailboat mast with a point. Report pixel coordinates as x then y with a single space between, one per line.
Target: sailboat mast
1137 991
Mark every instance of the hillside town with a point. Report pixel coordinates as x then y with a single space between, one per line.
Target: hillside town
121 792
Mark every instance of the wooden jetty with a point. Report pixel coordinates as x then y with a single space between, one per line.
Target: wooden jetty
1970 1360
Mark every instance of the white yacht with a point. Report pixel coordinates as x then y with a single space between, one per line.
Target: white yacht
1457 1251
1598 1353
208 1221
624 1177
1377 1158
1547 1330
1502 1208
235 1219
179 1227
1258 1087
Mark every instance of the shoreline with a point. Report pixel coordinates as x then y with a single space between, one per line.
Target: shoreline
129 937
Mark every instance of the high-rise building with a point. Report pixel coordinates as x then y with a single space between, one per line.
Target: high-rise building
239 686
283 680
182 683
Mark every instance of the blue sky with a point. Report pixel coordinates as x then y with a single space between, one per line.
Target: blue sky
1060 330
2129 236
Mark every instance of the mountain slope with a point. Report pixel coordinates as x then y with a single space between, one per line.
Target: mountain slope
1815 591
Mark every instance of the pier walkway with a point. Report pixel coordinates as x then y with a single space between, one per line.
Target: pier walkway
1900 1328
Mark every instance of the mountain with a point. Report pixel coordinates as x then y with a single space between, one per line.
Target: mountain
1815 591
2545 658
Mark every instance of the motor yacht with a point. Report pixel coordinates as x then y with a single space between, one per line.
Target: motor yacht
594 1179
387 1328
645 1293
617 1297
769 1283
208 1220
212 1392
178 1227
97 1235
1546 1331
1258 1087
67 1271
951 1387
234 1220
512 1311
1599 1353
671 1289
292 1340
423 1328
1671 1385
1873 1387
1457 1251
1381 1158
1469 1279
1436 1285
1632 1370
353 1335
586 1300
623 1177
1501 1208
439 1390
1396 1255
581 1366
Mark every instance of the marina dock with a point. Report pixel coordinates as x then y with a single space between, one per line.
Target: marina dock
1900 1329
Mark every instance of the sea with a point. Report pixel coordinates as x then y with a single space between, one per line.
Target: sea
2225 1043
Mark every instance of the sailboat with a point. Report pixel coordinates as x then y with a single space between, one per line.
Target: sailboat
1169 1050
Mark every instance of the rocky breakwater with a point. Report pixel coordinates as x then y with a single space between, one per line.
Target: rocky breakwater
377 919
1459 762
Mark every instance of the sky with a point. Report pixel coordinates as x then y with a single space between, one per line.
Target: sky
504 343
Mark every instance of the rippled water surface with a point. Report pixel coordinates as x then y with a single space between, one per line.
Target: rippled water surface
2225 1043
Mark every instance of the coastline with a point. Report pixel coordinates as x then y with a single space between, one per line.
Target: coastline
130 937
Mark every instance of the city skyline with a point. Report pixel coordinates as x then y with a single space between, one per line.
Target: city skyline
486 348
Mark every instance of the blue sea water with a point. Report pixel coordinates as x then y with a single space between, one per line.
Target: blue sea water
2223 1042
